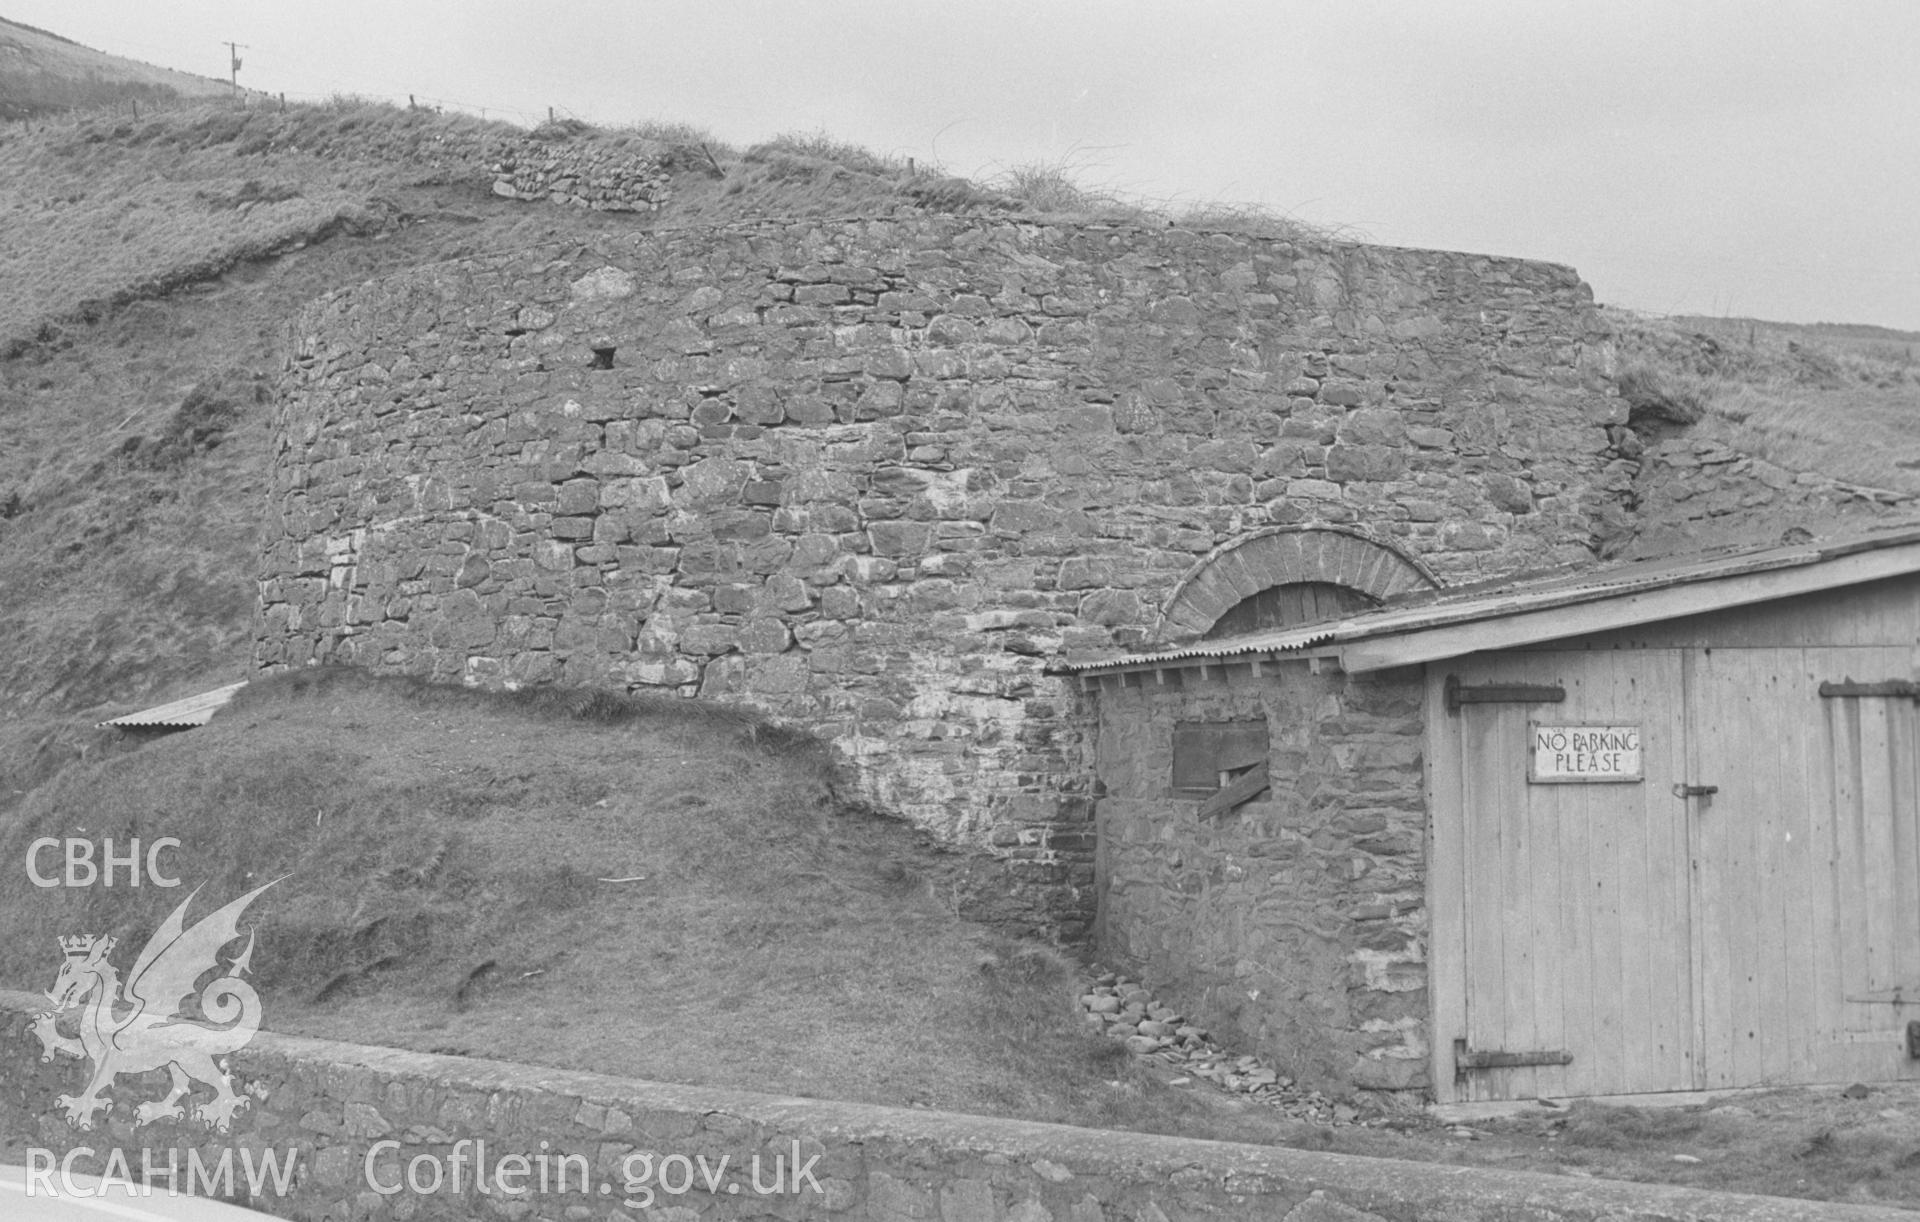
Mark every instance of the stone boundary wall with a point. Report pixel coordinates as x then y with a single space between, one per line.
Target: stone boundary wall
874 476
1295 926
329 1104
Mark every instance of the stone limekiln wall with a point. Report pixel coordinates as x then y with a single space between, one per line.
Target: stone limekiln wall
874 475
1294 925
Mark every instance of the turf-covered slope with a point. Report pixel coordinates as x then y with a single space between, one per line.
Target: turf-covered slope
666 890
43 73
103 210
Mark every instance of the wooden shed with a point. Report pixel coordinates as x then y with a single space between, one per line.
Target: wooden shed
1650 828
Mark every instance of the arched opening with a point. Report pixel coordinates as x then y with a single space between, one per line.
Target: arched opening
1290 603
1286 576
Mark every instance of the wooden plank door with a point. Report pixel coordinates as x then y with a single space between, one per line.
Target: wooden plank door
1874 878
1806 866
1753 858
1562 916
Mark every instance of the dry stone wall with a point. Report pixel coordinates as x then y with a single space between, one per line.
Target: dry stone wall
875 475
1293 927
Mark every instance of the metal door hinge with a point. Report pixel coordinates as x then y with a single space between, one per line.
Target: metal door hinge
1905 689
1465 1058
1459 693
1898 995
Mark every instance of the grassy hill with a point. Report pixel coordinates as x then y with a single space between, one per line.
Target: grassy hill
43 73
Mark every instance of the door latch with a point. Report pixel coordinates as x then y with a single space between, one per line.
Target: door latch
1683 790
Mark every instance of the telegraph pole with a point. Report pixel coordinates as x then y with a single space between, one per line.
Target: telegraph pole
233 58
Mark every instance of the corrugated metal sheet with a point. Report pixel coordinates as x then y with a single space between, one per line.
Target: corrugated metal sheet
193 711
1487 601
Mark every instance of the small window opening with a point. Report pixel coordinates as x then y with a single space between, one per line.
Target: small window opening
602 358
1210 755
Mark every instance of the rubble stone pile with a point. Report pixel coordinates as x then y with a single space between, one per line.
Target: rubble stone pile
1125 1010
584 175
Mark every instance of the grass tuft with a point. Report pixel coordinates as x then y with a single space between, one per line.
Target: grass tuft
673 132
561 130
819 146
1258 220
1058 188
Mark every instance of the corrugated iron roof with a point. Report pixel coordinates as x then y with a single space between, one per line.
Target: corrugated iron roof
1624 584
192 711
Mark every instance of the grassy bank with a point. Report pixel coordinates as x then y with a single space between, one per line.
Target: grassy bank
661 889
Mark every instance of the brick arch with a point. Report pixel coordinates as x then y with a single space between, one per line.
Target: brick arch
1279 557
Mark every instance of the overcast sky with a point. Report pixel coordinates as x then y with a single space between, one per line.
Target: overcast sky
1687 156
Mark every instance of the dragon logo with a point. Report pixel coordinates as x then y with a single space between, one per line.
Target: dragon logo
145 1027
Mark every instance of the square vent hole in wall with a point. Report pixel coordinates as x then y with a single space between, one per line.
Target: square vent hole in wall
1210 755
1221 763
602 358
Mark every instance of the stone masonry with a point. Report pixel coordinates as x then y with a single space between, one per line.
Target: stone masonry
1692 493
874 476
583 175
1295 926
